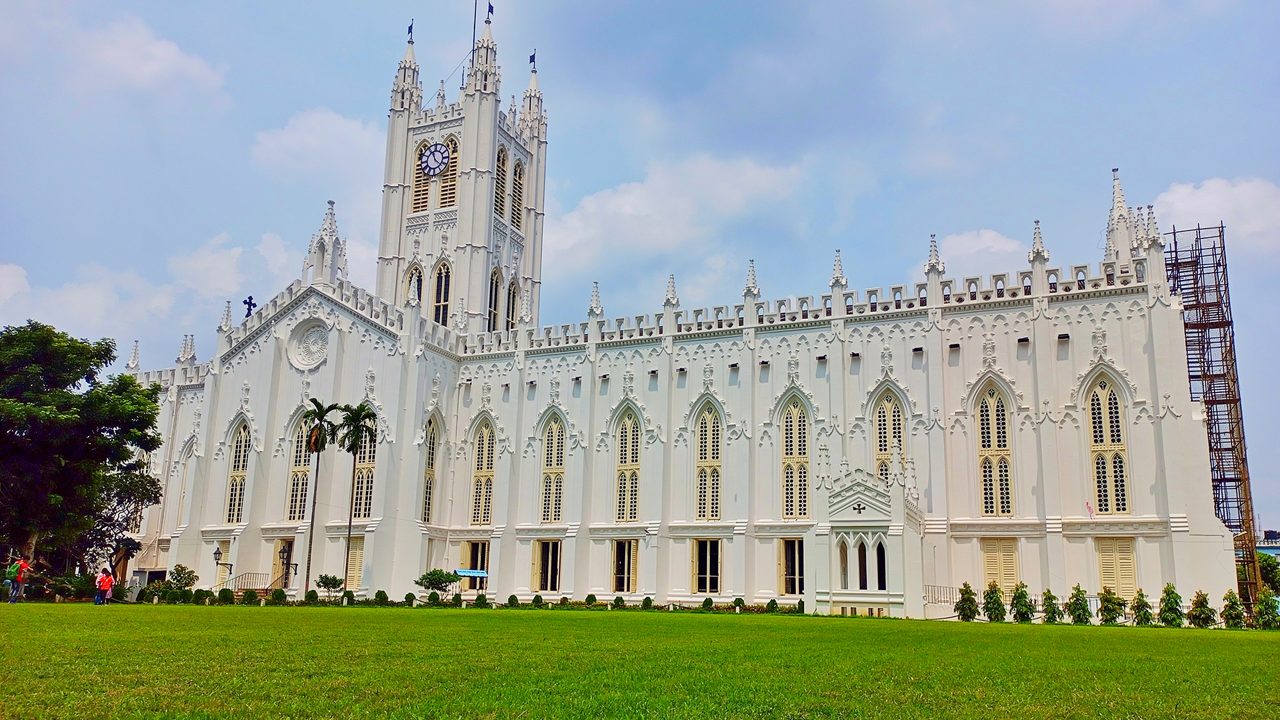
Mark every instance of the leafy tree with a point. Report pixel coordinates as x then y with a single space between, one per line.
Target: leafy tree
1052 610
182 577
1141 609
993 603
1078 606
1110 607
1202 614
437 579
1265 613
1269 565
321 431
71 442
1020 605
358 426
329 584
1170 607
1232 611
966 608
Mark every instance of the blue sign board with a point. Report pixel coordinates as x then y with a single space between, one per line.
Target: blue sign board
473 573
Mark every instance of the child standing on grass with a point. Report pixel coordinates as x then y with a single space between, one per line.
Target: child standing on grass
17 575
100 587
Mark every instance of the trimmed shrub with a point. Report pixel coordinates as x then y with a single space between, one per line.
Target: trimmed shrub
739 603
564 601
1049 605
1232 611
410 599
172 596
1078 606
993 603
1110 607
1265 613
966 608
1201 615
198 597
537 601
591 600
1141 609
278 597
249 597
482 601
349 596
1020 605
619 603
1170 607
707 604
312 596
457 599
771 606
800 607
513 601
646 603
433 598
226 597
380 598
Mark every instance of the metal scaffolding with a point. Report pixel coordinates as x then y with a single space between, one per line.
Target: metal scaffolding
1196 262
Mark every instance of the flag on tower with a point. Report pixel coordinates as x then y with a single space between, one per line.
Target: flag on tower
410 30
490 8
533 59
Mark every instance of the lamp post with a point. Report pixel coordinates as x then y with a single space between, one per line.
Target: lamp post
286 554
217 560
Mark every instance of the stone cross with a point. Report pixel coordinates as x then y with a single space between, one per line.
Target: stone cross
249 305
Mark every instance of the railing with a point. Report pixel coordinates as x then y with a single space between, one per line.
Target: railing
245 581
941 594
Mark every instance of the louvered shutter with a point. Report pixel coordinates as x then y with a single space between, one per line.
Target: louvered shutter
1126 568
1008 565
355 563
1107 565
634 580
990 562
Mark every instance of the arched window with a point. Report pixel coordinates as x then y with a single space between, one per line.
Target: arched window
517 195
182 485
236 474
844 565
628 469
500 184
429 472
420 201
365 454
482 477
449 178
707 492
882 582
495 295
995 458
298 474
887 418
413 284
440 307
552 470
1108 452
513 299
862 565
795 461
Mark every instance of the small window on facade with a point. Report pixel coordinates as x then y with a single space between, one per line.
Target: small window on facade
513 303
476 554
440 307
862 566
625 556
792 567
547 565
449 178
517 195
706 567
882 570
495 295
500 184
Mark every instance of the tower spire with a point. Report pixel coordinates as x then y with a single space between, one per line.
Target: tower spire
595 309
225 324
751 287
1119 222
484 75
132 365
935 264
1039 253
837 273
327 255
671 299
406 91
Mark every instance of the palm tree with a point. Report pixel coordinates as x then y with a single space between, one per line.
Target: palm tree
322 432
358 426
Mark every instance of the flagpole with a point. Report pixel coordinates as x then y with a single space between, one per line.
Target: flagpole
475 14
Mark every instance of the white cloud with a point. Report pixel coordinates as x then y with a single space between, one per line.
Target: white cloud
92 302
13 281
977 253
283 264
1249 207
128 54
211 271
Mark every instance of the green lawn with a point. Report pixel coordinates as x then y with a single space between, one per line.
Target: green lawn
85 661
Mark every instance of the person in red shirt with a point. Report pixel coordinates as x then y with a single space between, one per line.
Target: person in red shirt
15 589
108 582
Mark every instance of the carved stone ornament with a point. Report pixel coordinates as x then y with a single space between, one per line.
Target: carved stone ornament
309 344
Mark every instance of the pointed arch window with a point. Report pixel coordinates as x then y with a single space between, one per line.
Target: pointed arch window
995 456
882 570
862 565
298 474
795 461
628 469
552 471
888 420
513 299
517 195
500 184
482 476
708 469
237 473
365 457
440 305
1108 451
420 201
844 565
449 178
429 471
413 284
495 296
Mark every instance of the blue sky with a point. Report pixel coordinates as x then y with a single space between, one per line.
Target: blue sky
157 159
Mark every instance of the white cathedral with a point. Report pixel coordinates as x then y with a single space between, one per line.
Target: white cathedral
866 452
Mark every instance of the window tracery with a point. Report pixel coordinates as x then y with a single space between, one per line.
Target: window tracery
482 476
707 468
552 471
795 461
237 474
628 469
1108 451
995 457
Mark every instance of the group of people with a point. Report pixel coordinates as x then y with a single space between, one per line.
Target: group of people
18 570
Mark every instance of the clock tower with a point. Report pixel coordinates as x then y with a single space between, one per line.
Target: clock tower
463 197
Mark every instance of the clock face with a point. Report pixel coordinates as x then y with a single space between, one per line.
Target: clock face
435 159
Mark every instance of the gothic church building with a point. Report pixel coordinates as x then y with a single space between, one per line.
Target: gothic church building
865 451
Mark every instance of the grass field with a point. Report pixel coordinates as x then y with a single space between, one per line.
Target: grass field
180 661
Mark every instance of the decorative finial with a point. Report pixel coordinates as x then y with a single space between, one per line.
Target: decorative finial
1153 229
837 273
526 313
440 95
751 288
595 308
225 324
935 264
133 358
672 298
1038 250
